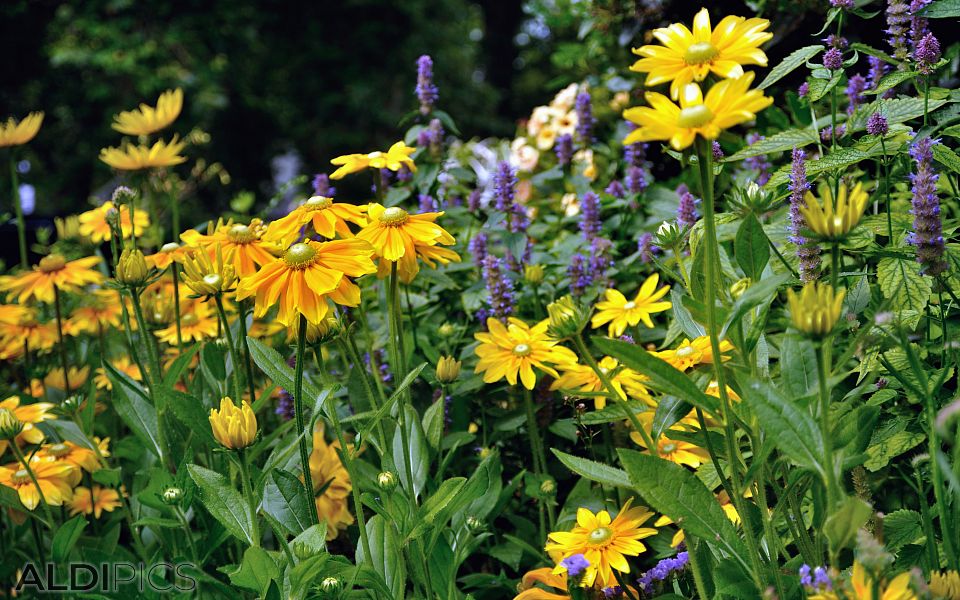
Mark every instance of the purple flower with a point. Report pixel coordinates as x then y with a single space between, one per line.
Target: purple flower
404 175
662 570
634 154
478 248
612 592
833 59
285 407
590 216
575 565
564 149
807 252
856 85
504 186
919 26
427 203
499 289
584 118
600 261
717 151
636 180
836 41
687 207
877 124
826 134
805 578
627 338
803 90
646 247
427 92
878 69
322 187
473 201
927 53
818 582
898 23
927 233
758 163
845 4
577 273
383 369
615 189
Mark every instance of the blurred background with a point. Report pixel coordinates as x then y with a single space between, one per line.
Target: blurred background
274 90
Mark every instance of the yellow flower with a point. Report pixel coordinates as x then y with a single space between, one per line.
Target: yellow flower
208 273
20 329
77 377
546 576
728 103
134 158
72 454
169 253
122 364
243 242
197 322
688 56
306 276
515 349
29 415
728 509
897 589
52 477
327 470
616 310
690 354
816 309
328 218
93 223
397 156
94 501
233 427
400 237
13 133
582 378
603 541
834 220
53 270
103 313
945 584
677 451
147 119
448 369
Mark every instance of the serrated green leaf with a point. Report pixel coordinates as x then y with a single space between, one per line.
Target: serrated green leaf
891 80
434 510
256 571
794 60
942 9
901 283
946 157
128 401
879 455
819 88
798 366
223 502
277 369
594 471
901 527
285 499
895 110
785 140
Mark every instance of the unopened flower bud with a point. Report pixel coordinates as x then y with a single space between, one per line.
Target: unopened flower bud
331 585
566 319
670 234
387 481
172 495
475 524
123 194
448 369
10 425
738 288
533 274
446 330
132 268
548 487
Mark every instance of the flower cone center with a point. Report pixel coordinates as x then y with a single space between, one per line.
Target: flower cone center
685 351
521 350
393 216
600 535
694 116
630 305
668 448
318 203
241 234
58 450
300 256
700 53
20 477
54 262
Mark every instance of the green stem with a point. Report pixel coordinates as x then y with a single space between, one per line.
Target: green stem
60 343
374 363
947 532
350 349
697 570
234 355
298 409
678 256
18 210
886 190
248 494
154 378
174 271
830 479
26 466
246 352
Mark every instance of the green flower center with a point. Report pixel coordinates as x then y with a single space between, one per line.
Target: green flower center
300 256
694 116
241 234
170 247
600 535
58 450
699 53
521 350
318 203
54 262
213 280
685 351
20 477
668 448
393 216
188 319
630 305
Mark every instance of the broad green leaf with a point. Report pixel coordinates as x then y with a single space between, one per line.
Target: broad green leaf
481 492
780 142
751 247
798 366
594 471
66 538
285 499
901 283
419 455
901 527
313 537
676 492
277 369
942 9
180 364
880 454
139 416
433 422
891 80
946 157
433 512
896 110
223 502
760 293
386 554
669 411
188 410
842 525
256 571
690 327
821 87
794 60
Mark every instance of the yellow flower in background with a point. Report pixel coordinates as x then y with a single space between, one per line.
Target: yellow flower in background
728 103
690 354
816 309
122 364
53 270
93 223
234 427
13 133
834 219
945 584
604 541
147 119
582 378
243 243
546 576
397 156
102 312
94 501
328 218
72 454
77 377
397 236
306 276
512 350
52 477
327 470
676 451
209 273
134 158
687 56
29 415
896 589
430 255
169 253
197 322
20 329
616 310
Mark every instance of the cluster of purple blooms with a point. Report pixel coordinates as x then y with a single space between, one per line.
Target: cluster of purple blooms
590 224
427 92
427 203
285 405
856 86
578 275
816 580
563 147
478 248
575 565
634 155
906 28
322 187
383 369
663 570
431 137
927 233
500 298
647 248
687 207
584 119
759 163
807 252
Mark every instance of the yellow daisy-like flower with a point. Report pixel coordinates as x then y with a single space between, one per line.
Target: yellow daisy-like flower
134 158
604 541
328 218
728 103
896 589
677 451
169 253
209 273
197 322
234 427
122 364
29 415
945 584
545 576
506 351
397 236
52 477
20 329
147 119
53 270
690 354
728 509
407 269
13 133
243 242
72 454
306 276
816 309
397 156
93 223
582 378
94 501
687 56
102 313
619 312
833 220
75 376
327 470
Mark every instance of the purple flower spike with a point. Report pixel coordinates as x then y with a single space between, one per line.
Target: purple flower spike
427 92
927 233
807 252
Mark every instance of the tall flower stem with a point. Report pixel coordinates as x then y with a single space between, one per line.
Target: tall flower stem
298 409
539 458
830 481
711 267
33 478
18 210
349 347
154 378
60 343
245 483
374 363
234 355
886 190
251 388
174 272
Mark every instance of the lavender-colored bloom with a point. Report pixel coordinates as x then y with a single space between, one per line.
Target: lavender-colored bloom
821 579
758 163
504 186
826 134
927 53
807 252
564 149
836 41
927 233
383 369
575 565
285 407
717 151
803 90
616 189
845 4
478 248
855 88
423 138
634 154
898 27
687 207
627 338
662 570
877 124
473 201
612 592
600 261
404 175
427 92
427 203
590 224
636 180
322 187
919 26
646 247
577 273
805 578
499 289
584 118
833 59
878 69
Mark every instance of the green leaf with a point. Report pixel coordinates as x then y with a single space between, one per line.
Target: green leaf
901 527
66 538
798 366
223 502
285 499
434 511
880 454
594 471
751 247
157 522
946 157
663 376
842 525
942 9
676 492
785 140
419 456
793 430
901 283
277 369
256 571
189 410
896 110
891 80
179 365
820 87
794 60
433 423
139 416
759 293
386 554
481 492
313 537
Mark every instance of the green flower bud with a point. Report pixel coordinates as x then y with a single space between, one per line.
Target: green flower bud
10 425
